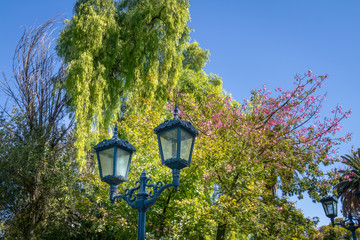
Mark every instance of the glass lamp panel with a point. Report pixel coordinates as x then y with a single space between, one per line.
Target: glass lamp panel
185 146
335 208
122 162
330 208
169 143
107 162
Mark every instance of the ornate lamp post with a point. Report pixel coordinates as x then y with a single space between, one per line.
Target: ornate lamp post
330 208
176 142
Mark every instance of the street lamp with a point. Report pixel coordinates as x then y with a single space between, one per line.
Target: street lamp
114 158
176 142
330 208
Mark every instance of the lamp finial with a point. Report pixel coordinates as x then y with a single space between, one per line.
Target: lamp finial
176 110
115 131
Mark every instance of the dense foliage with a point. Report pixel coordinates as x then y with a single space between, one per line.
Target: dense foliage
117 51
36 151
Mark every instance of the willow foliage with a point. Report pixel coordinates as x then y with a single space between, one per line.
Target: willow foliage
118 51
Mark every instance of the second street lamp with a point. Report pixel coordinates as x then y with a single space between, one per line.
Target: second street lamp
176 142
350 223
330 207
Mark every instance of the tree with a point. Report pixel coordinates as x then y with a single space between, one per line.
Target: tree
117 51
267 142
349 182
36 166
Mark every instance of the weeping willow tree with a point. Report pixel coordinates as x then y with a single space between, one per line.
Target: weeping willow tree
119 52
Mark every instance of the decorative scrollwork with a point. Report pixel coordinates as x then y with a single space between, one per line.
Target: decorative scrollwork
129 193
147 181
143 199
159 184
155 188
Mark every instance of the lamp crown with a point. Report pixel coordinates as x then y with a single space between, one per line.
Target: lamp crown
115 131
176 112
168 124
115 141
329 198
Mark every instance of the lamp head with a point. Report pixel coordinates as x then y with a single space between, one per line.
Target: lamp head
176 142
330 207
114 158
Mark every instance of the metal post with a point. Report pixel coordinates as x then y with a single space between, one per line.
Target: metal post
141 225
113 189
176 178
352 226
354 234
143 200
141 197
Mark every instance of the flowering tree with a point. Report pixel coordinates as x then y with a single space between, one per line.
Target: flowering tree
266 143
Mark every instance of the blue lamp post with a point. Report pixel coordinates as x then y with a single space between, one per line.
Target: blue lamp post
330 208
176 142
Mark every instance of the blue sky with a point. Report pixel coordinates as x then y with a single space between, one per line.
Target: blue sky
252 43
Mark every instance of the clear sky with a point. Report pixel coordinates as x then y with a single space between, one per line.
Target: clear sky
252 43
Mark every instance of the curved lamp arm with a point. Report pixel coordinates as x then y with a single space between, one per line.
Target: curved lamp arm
127 196
349 223
157 192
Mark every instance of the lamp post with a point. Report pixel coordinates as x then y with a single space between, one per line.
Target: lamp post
176 142
330 208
